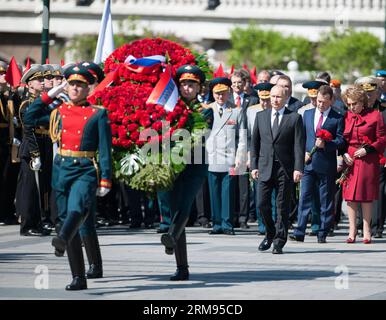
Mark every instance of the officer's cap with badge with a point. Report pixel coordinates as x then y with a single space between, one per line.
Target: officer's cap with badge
57 70
33 73
3 67
380 73
79 73
313 87
190 73
47 70
368 84
220 84
263 90
94 69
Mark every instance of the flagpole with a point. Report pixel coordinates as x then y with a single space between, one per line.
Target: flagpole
45 31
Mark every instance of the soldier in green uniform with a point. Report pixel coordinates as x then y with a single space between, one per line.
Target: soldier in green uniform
81 130
178 202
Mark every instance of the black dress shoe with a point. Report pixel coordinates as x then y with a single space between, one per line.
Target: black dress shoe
229 232
33 233
78 283
95 272
296 238
207 225
180 275
169 242
60 246
378 235
322 240
159 230
277 250
215 232
244 225
265 245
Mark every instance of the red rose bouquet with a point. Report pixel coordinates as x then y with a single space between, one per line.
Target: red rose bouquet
324 135
138 125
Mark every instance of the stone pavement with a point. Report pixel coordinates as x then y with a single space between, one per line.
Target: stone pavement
222 267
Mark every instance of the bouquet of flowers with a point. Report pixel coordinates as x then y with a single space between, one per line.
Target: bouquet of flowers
142 130
323 134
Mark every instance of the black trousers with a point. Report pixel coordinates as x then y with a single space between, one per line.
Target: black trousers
278 231
203 203
379 211
242 199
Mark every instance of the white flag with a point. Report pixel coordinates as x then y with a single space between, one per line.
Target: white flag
105 44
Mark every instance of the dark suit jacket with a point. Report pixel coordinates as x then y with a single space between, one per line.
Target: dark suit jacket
247 101
294 104
288 145
324 160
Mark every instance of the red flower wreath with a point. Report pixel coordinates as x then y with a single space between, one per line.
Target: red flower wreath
130 115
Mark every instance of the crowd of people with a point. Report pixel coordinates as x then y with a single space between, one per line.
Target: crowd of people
271 158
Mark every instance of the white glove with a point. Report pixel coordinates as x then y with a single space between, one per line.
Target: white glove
36 164
102 191
56 90
16 142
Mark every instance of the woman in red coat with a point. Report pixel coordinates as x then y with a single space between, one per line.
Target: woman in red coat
365 136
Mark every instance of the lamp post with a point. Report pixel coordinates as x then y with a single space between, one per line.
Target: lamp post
45 31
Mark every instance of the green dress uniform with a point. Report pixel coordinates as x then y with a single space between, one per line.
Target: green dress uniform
178 201
81 130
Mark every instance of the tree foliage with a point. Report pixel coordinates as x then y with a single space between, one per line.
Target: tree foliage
350 54
83 47
269 49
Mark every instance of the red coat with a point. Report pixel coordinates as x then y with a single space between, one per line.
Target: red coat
362 183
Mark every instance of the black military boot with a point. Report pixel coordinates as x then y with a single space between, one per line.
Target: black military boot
169 240
69 228
75 258
94 257
182 272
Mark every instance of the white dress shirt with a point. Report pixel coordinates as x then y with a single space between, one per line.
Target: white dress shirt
273 115
317 116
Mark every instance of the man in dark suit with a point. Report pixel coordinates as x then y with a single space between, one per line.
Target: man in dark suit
277 160
378 218
321 167
242 100
292 103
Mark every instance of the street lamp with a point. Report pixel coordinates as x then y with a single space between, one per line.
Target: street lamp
45 31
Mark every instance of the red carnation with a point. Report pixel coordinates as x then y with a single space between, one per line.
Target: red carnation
323 134
132 127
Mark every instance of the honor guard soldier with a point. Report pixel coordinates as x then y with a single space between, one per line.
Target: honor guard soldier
35 149
10 137
48 77
81 130
178 201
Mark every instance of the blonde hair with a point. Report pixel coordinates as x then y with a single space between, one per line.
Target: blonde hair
355 93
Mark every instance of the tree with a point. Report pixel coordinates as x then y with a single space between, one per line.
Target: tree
269 49
350 54
82 47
